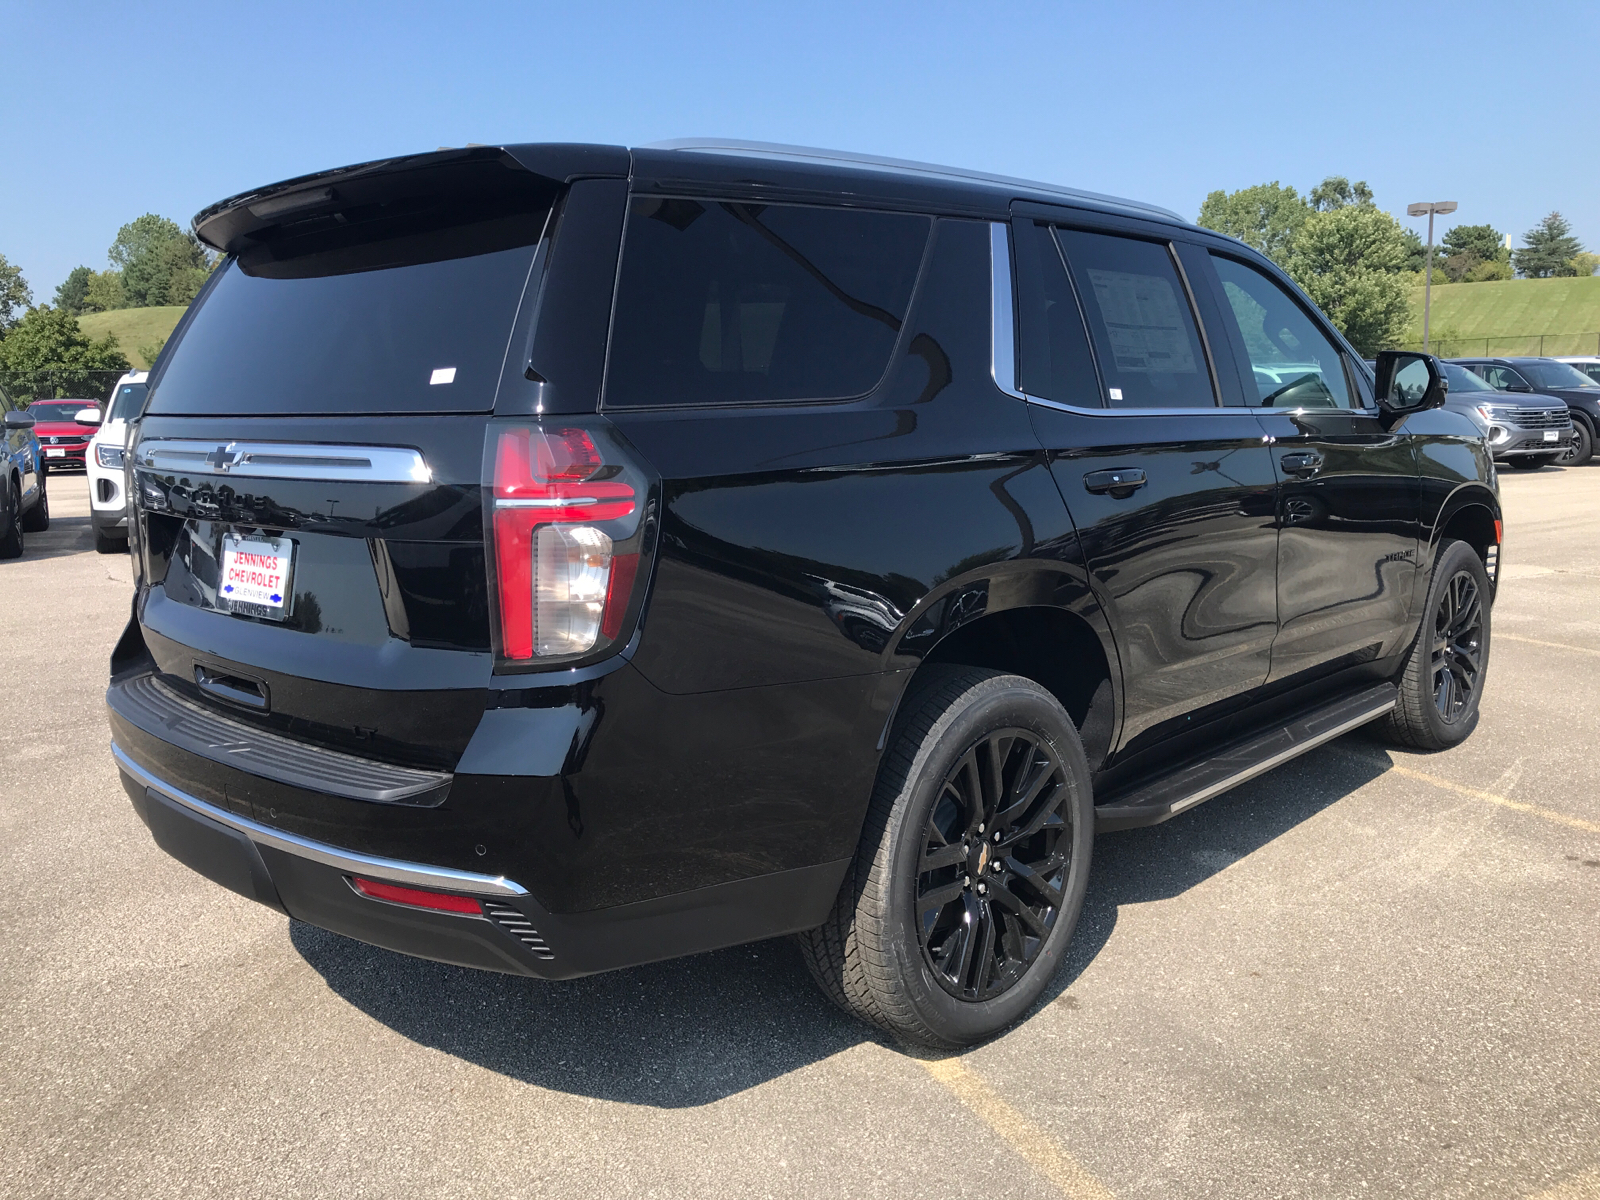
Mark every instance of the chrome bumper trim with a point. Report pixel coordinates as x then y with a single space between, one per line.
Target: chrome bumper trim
390 870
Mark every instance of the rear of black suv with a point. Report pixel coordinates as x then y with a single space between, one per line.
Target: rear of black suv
556 558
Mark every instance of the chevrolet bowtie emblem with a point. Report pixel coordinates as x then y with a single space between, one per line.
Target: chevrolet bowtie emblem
224 457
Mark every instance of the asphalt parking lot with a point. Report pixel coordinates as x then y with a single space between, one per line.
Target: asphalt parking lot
1368 973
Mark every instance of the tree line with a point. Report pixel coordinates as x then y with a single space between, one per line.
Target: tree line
1358 263
42 349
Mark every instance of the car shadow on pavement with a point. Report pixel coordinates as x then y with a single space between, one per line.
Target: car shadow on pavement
695 1030
66 535
674 1034
1140 865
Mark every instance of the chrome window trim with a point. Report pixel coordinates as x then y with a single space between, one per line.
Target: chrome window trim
1003 345
389 870
285 460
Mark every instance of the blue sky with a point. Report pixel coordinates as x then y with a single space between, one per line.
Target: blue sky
114 110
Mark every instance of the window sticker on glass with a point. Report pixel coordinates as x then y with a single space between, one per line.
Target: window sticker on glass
1143 320
442 375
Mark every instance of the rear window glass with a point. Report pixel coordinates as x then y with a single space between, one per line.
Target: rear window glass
734 303
393 318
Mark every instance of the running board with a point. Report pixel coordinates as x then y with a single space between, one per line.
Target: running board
1167 796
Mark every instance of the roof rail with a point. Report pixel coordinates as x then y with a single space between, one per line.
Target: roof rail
846 158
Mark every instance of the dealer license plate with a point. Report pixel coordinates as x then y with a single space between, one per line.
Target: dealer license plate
257 573
1551 435
55 453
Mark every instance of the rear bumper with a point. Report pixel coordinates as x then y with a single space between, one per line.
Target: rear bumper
311 881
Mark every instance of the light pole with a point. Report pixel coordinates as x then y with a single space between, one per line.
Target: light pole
1416 210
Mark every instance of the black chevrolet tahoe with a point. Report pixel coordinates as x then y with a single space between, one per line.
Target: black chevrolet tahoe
553 558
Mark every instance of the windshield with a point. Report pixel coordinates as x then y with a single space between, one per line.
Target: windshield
126 403
60 411
1463 380
1557 375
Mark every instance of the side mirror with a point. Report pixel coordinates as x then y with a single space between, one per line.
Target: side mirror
1409 382
1518 387
17 419
89 416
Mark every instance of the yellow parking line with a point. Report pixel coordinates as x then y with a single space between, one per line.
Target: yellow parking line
1575 1187
1521 806
1517 637
1026 1138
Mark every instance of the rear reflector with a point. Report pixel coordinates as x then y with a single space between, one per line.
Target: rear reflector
416 897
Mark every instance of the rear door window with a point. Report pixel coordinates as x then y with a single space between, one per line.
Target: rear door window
1144 331
726 302
1503 378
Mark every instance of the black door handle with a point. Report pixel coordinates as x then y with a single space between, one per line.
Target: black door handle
1305 463
1123 480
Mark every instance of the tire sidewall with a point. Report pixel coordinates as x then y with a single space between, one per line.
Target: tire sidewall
1006 702
1455 557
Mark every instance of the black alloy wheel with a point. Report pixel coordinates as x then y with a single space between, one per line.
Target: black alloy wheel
994 864
972 866
38 518
1441 684
1581 448
11 540
1457 647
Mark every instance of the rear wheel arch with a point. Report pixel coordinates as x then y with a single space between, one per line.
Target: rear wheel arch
1054 647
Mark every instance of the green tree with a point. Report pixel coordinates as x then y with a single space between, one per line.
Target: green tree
72 294
1267 216
1585 264
46 353
1417 252
15 294
159 262
1338 192
104 293
1548 249
1351 262
1484 241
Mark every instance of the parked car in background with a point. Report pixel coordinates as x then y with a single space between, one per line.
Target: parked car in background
64 441
838 546
1589 364
24 494
108 507
1519 429
1548 377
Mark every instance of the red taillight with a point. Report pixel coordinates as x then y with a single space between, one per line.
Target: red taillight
559 509
416 897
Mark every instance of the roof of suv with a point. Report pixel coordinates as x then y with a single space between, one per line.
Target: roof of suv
779 169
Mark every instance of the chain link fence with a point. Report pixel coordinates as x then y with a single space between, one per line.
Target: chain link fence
1510 345
60 384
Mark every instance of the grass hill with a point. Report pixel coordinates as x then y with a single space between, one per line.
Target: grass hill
1508 317
134 327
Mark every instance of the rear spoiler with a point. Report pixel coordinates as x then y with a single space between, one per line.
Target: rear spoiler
481 172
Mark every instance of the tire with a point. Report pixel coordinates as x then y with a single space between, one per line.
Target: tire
976 964
1582 448
109 543
1532 462
1446 651
11 542
38 518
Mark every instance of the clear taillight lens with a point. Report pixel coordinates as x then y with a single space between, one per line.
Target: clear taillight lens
566 528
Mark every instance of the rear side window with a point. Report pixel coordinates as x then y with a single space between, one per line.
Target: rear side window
1144 331
722 302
